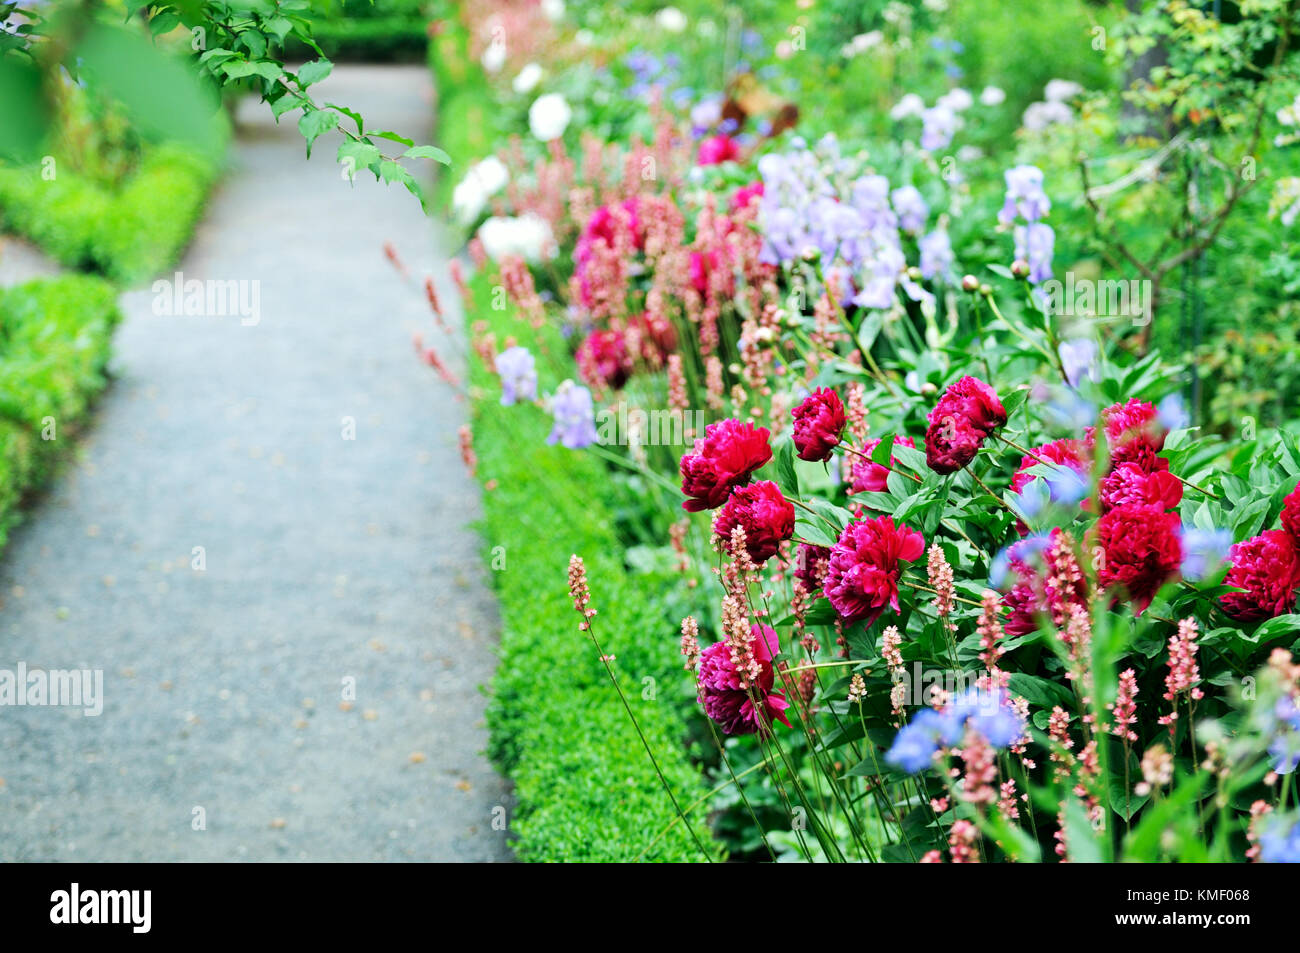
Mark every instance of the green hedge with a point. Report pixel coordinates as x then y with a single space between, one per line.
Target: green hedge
371 31
54 345
129 234
585 789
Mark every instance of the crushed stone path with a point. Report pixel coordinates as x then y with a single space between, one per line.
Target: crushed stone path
265 543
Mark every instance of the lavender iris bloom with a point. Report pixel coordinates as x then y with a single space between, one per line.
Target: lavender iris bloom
518 372
1079 358
1025 196
936 254
910 207
1034 243
575 424
938 126
1203 551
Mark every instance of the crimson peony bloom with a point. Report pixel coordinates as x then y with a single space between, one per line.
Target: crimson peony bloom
730 705
862 578
604 228
818 422
1131 483
1134 432
602 359
717 149
810 565
1291 513
871 477
968 411
951 443
723 458
975 400
1268 569
766 516
1142 549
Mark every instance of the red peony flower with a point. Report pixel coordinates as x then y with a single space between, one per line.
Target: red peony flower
1142 550
810 565
968 411
951 443
1268 569
975 400
1130 483
871 477
717 149
862 578
723 458
745 195
818 423
1134 433
1291 513
602 359
766 516
730 705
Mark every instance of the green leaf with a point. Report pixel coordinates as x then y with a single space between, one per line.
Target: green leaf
314 123
785 475
394 137
1122 802
354 116
427 152
1040 691
314 72
163 22
363 155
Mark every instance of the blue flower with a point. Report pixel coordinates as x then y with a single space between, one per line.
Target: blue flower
1280 846
1066 486
575 423
1172 412
989 712
1079 358
1203 551
518 372
917 741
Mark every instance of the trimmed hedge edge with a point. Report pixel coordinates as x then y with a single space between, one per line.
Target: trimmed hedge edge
584 787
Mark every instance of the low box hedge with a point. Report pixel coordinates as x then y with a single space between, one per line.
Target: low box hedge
129 234
55 337
585 789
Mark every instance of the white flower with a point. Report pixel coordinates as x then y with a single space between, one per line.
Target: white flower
528 236
481 182
993 96
553 10
584 38
1290 115
549 116
528 78
1059 90
861 43
1038 116
671 19
970 154
956 99
909 105
494 57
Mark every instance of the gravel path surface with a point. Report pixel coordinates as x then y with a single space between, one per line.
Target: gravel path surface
309 463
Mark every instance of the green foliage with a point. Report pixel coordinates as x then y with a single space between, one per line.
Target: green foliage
54 343
585 788
127 233
371 31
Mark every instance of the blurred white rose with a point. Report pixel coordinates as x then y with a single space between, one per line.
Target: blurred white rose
549 116
553 10
671 19
528 78
494 57
484 180
528 236
993 96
